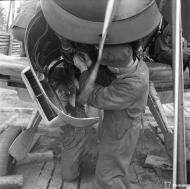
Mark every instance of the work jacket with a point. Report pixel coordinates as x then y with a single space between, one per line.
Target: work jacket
123 101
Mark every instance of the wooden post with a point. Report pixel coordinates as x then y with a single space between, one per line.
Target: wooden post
37 157
10 32
10 44
11 182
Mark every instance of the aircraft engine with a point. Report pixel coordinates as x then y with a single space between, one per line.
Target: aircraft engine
52 79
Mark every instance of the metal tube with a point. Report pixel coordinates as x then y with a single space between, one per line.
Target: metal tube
175 42
109 14
179 167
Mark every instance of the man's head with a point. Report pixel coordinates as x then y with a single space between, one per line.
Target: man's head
117 57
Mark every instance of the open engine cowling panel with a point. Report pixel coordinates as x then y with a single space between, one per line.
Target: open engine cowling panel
51 80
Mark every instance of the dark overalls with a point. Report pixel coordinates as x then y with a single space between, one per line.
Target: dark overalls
123 102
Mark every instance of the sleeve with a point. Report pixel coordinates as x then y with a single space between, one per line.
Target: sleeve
116 96
83 78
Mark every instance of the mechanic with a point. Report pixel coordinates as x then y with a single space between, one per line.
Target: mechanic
123 102
161 48
124 99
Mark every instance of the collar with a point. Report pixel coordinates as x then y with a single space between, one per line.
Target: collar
127 70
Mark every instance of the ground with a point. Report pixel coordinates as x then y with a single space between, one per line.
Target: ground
47 175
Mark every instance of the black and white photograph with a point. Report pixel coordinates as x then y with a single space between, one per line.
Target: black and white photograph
94 94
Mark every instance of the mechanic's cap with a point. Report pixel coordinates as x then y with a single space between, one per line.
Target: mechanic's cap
117 55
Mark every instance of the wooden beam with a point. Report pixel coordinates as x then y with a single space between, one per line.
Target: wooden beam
11 182
37 157
56 180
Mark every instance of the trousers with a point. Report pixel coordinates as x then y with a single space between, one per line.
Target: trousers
112 168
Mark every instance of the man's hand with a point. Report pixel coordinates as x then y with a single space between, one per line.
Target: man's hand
83 97
79 63
83 64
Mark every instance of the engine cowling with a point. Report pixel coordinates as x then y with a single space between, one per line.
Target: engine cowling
48 73
83 21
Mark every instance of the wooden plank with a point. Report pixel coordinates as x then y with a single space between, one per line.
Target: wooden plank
16 44
16 51
164 176
87 177
3 49
56 182
3 44
16 47
4 36
72 185
147 178
37 157
133 178
168 110
45 176
4 39
12 181
31 174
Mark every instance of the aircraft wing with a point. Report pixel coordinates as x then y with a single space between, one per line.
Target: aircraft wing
10 75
